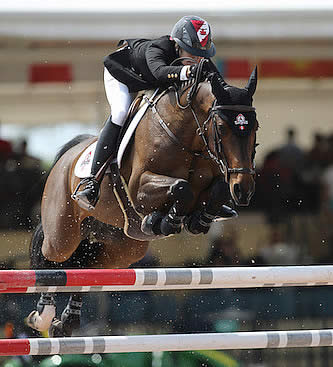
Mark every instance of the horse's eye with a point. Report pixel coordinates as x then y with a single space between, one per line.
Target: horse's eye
222 129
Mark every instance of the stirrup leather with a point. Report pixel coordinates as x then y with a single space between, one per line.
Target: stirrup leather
81 202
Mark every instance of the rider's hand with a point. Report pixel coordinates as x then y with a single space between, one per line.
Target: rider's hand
193 69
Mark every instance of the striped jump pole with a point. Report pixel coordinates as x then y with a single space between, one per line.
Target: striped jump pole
105 280
171 342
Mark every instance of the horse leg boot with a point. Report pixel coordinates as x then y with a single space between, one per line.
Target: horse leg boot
70 318
105 148
180 192
200 220
41 319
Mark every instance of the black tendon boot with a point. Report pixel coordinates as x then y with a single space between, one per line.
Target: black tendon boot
106 147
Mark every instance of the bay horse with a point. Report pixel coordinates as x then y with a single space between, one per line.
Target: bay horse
193 148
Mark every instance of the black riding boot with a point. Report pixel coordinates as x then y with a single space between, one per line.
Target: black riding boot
106 146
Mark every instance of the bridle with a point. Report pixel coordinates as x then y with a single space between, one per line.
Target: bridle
217 155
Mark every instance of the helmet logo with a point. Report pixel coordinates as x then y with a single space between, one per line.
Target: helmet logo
202 29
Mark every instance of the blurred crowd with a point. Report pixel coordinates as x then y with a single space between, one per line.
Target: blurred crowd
293 180
21 185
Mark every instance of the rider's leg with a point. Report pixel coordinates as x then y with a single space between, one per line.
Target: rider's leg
119 99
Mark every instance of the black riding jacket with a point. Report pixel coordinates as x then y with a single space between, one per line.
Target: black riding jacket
145 64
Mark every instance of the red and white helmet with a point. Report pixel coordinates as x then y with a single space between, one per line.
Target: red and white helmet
193 34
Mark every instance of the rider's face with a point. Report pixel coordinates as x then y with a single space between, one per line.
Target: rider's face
183 53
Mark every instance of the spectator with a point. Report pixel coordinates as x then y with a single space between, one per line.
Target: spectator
274 188
25 160
290 155
327 189
20 188
317 156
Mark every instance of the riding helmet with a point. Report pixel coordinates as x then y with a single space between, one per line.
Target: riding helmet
193 34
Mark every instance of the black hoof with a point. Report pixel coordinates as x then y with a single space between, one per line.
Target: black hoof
151 224
169 227
195 224
226 213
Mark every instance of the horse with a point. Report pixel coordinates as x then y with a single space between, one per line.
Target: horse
192 152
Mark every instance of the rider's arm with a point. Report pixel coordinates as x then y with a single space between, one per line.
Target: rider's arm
158 62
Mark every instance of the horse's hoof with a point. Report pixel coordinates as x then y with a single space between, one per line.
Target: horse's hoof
225 213
151 224
195 225
57 330
169 227
41 322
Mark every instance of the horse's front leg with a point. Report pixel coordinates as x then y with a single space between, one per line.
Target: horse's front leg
215 207
165 201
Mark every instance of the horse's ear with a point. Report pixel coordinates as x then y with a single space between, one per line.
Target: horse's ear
252 83
218 85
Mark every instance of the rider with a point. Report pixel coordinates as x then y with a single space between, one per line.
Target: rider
142 64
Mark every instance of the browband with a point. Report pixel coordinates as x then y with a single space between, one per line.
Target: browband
236 107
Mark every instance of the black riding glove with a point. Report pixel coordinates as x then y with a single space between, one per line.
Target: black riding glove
194 70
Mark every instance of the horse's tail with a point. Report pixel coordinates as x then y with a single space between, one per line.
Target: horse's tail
37 260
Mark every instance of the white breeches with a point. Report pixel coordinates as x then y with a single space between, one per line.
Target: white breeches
118 97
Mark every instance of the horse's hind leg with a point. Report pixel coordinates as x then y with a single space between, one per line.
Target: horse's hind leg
41 318
87 255
70 318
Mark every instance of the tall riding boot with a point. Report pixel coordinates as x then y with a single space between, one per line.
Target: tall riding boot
106 147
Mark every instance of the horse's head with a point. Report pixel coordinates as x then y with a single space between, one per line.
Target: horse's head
232 137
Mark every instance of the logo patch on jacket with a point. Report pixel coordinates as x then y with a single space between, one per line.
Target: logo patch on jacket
202 29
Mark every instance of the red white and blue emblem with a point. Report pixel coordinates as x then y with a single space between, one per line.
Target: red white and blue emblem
241 121
202 29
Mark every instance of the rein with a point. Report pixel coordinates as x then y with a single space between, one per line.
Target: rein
218 156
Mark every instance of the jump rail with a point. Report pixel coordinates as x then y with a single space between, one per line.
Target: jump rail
105 280
171 342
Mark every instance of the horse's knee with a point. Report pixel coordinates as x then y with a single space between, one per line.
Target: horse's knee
53 253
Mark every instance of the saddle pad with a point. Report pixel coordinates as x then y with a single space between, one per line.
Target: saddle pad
83 165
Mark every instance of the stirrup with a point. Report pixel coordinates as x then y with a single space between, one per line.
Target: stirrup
82 203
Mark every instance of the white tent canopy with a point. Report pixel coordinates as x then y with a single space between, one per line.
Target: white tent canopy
100 19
